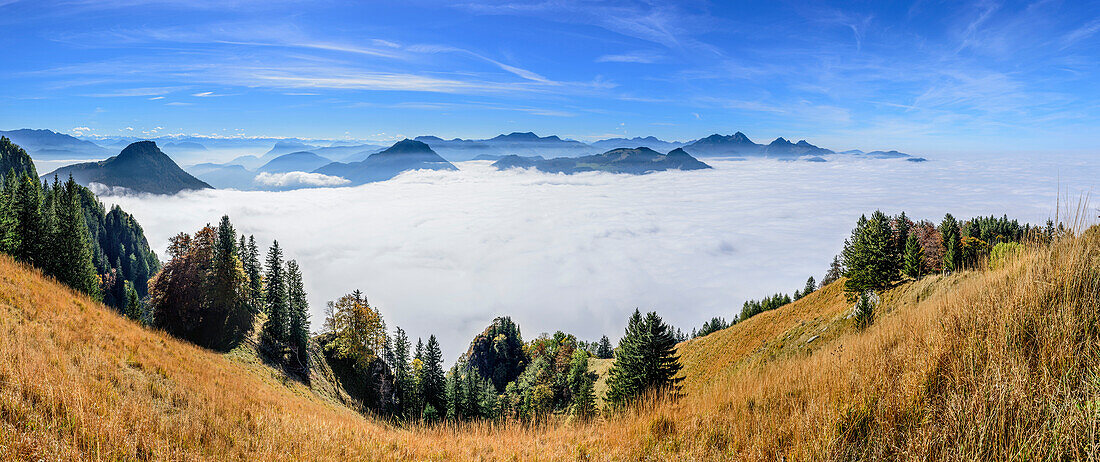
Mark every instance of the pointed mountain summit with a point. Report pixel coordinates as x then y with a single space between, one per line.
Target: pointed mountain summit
402 156
736 144
141 167
783 148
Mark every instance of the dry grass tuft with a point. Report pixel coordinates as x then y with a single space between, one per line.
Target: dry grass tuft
979 365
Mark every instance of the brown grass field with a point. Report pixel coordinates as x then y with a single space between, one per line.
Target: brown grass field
984 365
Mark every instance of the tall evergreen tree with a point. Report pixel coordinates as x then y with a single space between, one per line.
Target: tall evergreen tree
72 253
255 275
836 270
584 403
227 297
434 395
809 288
299 313
646 360
275 296
133 305
402 372
27 239
604 349
870 261
952 254
914 258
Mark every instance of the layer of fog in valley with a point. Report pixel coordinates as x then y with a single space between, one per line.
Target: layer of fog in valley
445 252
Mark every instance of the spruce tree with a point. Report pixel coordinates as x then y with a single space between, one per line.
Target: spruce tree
29 234
836 270
646 360
275 297
230 315
869 258
255 275
811 286
72 253
432 379
133 305
584 402
402 374
914 258
952 254
299 313
604 349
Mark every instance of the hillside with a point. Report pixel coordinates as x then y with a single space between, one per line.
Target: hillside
140 167
976 365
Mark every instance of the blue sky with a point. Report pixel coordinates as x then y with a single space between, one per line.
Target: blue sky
925 76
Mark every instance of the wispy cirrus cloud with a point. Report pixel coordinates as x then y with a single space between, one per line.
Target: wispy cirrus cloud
641 57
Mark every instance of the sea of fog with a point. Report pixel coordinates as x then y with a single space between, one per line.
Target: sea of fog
445 252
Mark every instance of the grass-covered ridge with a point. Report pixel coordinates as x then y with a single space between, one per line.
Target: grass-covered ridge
995 364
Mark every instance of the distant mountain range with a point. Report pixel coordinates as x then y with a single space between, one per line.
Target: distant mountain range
141 167
361 162
48 145
637 161
402 156
522 144
649 142
739 145
379 166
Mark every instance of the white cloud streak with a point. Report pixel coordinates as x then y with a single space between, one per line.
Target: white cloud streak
299 179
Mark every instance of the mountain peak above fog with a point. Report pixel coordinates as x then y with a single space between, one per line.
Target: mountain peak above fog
140 167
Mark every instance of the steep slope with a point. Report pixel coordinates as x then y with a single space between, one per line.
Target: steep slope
13 159
988 365
141 167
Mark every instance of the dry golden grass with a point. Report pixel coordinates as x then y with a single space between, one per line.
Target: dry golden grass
976 366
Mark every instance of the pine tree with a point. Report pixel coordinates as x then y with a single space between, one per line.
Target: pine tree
434 395
456 395
27 239
808 289
227 298
255 275
604 349
402 374
275 297
646 360
914 258
869 258
584 402
949 231
299 313
72 254
836 270
133 305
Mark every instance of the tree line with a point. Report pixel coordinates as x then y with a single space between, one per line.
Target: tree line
754 307
63 229
884 250
500 376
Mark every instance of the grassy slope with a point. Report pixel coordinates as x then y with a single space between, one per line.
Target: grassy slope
989 365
